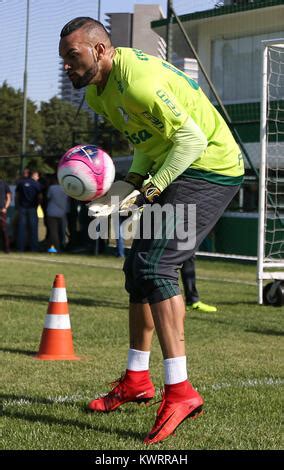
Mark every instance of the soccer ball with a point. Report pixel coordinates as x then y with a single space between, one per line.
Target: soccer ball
85 172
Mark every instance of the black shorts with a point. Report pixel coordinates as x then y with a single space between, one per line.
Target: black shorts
152 267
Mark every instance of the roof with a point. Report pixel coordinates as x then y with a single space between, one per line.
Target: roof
225 10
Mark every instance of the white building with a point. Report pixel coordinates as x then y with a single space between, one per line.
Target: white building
228 42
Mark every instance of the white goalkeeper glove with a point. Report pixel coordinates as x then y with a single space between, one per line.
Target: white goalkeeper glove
138 199
108 204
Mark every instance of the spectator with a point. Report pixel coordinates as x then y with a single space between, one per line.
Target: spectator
120 248
192 300
45 181
5 201
57 208
28 191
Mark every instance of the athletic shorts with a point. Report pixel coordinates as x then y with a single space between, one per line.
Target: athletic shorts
187 208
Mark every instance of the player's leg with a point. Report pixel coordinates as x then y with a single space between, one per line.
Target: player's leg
169 317
156 270
141 326
135 385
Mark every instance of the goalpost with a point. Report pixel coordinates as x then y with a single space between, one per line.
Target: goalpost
270 264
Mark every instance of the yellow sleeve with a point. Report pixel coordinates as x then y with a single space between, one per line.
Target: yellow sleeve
189 143
156 107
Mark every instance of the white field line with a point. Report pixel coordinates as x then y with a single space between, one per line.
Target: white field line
266 381
49 400
72 399
38 259
231 281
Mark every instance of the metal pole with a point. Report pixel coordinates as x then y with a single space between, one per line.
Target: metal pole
96 245
99 10
96 117
262 174
24 128
169 33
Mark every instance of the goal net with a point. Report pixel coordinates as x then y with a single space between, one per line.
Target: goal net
271 194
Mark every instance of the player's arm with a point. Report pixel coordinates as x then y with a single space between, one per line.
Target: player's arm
139 170
161 112
189 142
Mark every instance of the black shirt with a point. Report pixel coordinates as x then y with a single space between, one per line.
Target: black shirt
28 191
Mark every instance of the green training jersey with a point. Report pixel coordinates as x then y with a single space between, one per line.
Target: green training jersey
148 100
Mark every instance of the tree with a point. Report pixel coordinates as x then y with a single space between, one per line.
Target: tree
59 125
11 118
51 131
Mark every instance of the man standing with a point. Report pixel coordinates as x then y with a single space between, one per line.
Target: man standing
184 144
5 201
28 192
192 299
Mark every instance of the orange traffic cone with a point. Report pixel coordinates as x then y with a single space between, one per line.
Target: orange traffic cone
56 340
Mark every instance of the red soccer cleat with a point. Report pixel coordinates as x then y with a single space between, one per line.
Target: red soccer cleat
173 410
133 386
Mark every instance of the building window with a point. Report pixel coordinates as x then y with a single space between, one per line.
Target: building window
236 67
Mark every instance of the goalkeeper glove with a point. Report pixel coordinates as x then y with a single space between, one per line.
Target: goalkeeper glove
106 205
147 195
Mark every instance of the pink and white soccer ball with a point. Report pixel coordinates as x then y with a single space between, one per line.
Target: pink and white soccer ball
86 172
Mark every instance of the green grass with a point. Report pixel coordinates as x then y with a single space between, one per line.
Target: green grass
234 359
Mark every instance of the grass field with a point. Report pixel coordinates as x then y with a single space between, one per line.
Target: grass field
234 359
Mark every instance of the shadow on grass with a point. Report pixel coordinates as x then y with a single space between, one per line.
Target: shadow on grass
230 323
210 319
239 302
26 352
87 302
265 331
82 425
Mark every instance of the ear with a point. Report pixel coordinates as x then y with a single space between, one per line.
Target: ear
101 49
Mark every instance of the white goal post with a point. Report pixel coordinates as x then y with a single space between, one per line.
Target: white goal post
270 264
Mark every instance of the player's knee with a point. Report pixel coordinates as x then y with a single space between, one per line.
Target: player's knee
158 289
156 282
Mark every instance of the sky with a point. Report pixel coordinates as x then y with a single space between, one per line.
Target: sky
47 17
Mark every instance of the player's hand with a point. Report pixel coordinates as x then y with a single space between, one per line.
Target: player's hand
106 205
147 195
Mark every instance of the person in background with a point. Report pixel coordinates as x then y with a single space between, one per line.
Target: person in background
120 246
56 215
45 181
191 294
5 201
28 196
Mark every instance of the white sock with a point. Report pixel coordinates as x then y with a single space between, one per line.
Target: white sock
138 360
175 370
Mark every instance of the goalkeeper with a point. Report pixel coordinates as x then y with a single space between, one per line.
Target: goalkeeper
185 145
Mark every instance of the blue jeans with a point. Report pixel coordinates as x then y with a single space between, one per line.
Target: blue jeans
27 219
119 239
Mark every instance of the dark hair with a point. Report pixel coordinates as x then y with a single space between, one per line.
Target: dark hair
88 23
